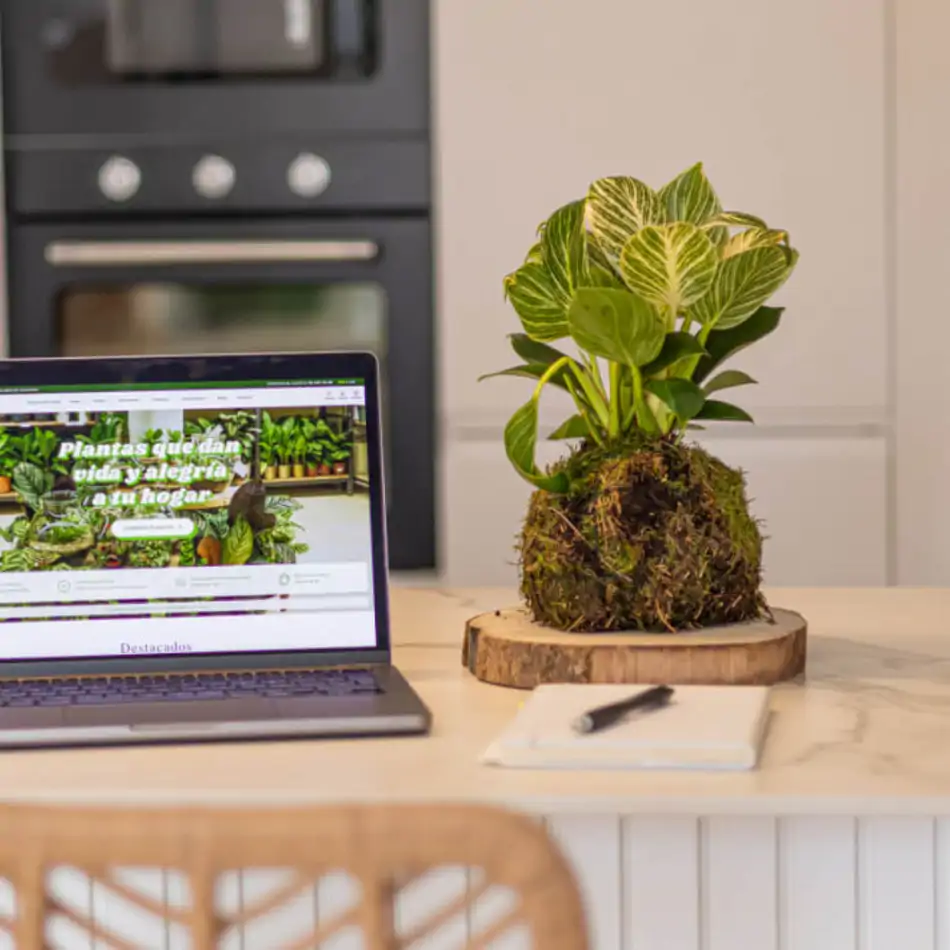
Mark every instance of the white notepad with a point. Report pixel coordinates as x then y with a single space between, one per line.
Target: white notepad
703 727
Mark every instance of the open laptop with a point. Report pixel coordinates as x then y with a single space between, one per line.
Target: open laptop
194 549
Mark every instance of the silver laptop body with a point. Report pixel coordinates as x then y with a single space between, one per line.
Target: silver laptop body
200 554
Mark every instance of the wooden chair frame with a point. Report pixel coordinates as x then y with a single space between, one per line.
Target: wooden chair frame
383 847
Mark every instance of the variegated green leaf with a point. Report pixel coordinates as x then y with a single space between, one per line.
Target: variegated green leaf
671 265
602 272
616 325
690 197
735 219
753 237
617 208
542 288
521 436
743 283
595 253
727 379
538 301
574 428
534 253
564 248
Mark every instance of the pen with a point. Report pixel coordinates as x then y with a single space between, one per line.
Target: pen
594 720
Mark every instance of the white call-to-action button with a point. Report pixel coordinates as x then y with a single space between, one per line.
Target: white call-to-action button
146 529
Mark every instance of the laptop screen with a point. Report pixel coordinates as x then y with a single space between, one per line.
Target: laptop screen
146 519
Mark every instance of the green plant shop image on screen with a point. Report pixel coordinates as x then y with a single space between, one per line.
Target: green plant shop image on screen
88 491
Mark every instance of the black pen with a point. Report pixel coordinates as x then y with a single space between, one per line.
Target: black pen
594 720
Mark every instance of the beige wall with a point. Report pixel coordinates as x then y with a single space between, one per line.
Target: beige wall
787 105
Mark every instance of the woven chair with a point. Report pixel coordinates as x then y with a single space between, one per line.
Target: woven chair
384 851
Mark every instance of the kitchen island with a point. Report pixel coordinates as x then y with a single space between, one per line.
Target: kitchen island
838 840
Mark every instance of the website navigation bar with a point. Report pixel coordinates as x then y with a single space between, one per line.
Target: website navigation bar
164 399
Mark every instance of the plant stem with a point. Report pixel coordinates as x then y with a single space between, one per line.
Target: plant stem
548 373
693 361
640 407
595 396
594 369
582 409
590 391
615 382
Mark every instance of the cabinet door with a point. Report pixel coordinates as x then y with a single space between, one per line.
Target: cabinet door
784 102
823 502
922 292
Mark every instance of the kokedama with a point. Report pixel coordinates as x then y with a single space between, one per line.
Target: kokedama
637 529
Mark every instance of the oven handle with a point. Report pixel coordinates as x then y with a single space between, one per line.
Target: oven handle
139 253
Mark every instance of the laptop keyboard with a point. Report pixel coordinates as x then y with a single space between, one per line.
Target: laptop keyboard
114 690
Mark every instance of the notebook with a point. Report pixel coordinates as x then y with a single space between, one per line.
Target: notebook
703 727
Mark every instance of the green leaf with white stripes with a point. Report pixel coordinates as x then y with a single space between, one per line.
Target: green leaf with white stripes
564 248
743 283
521 436
753 237
617 208
616 325
602 271
534 253
542 288
537 301
690 197
671 265
737 219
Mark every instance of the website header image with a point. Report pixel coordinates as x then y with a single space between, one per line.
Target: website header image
221 486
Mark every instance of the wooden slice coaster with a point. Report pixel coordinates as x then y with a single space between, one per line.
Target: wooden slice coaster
506 648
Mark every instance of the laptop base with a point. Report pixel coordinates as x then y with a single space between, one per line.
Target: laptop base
396 710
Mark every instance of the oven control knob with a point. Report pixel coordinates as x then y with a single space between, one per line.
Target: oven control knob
308 175
213 176
119 178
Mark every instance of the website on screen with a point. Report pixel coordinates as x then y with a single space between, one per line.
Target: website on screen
194 518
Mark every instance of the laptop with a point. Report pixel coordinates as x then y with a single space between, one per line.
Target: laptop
194 549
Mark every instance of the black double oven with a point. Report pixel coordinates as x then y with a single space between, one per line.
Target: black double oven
207 176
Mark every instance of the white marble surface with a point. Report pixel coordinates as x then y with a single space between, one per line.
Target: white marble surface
865 734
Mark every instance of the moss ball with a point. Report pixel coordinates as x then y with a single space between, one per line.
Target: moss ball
652 536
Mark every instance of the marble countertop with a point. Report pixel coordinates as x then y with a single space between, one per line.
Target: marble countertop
866 733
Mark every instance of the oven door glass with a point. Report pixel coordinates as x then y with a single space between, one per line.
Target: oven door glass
154 318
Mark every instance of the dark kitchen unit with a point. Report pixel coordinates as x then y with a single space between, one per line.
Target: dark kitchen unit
199 176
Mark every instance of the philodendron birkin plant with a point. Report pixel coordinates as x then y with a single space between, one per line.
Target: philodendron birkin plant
652 291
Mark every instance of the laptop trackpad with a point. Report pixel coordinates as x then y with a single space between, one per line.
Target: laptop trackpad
141 717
